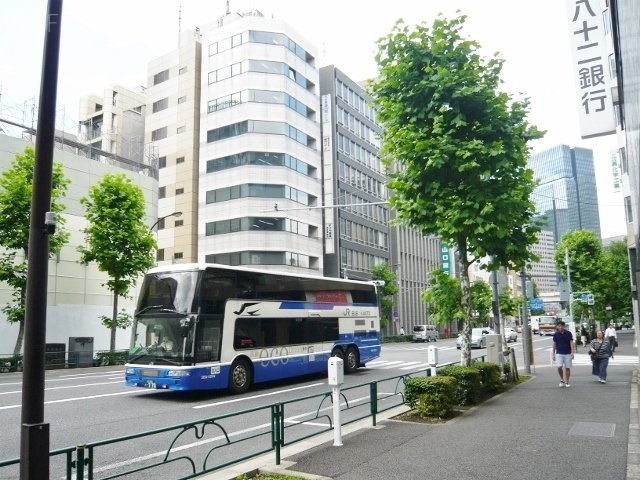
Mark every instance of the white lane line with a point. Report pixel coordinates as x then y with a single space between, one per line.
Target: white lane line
73 375
395 365
226 402
77 399
67 387
66 378
416 367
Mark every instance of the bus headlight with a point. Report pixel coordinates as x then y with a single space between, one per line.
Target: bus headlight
178 373
129 371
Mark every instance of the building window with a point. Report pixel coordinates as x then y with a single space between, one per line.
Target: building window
182 99
179 191
160 255
260 190
159 134
182 70
181 129
162 192
160 225
179 223
628 210
177 255
622 153
160 105
162 162
260 126
161 77
179 160
271 159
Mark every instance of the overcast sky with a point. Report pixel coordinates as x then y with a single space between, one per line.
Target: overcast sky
112 41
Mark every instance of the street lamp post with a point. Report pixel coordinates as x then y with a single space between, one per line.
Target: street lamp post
174 214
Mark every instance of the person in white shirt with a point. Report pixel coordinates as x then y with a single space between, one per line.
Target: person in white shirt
610 334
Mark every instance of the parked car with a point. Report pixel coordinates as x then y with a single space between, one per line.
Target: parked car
477 340
510 335
626 325
425 333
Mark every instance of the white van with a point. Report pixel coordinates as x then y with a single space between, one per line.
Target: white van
425 333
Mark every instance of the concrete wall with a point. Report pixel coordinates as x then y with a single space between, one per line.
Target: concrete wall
76 295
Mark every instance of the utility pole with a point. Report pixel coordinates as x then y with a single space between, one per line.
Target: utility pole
34 433
566 262
526 332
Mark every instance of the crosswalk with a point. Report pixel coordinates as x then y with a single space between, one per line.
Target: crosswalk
541 358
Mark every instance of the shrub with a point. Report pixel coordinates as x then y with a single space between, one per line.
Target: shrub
413 388
439 397
490 377
468 390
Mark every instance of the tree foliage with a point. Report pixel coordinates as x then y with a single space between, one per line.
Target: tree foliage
16 188
481 298
508 304
117 238
455 147
604 273
386 292
444 298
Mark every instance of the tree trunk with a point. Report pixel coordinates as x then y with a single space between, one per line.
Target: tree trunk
18 346
467 308
114 324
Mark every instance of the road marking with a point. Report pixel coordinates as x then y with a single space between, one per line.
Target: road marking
88 397
66 387
226 402
65 378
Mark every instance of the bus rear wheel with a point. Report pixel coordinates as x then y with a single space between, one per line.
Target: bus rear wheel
352 360
239 376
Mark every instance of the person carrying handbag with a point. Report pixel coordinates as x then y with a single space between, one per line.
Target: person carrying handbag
600 351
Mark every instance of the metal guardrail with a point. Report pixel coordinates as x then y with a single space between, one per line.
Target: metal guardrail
271 431
66 359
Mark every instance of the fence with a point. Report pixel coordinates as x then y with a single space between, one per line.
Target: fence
65 359
217 442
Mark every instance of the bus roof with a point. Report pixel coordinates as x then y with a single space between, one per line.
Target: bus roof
183 267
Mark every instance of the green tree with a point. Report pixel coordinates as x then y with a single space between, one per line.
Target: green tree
117 238
508 304
444 299
386 292
16 186
590 271
456 148
617 285
481 297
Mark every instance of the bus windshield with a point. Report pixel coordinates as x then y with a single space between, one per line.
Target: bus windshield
162 339
171 291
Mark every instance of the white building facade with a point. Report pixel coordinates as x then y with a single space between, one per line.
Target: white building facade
259 167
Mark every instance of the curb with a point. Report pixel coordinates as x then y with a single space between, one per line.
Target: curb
633 445
266 463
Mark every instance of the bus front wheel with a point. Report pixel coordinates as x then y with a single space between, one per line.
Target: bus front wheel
239 376
352 360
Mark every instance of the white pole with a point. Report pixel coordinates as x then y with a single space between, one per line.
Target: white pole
337 426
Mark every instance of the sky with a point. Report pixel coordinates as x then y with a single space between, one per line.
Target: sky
107 42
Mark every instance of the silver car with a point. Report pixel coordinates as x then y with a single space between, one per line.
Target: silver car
510 335
478 339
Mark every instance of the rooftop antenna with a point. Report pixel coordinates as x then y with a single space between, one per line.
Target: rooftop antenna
228 10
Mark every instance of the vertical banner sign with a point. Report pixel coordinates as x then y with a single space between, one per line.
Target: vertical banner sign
327 173
591 68
445 257
615 171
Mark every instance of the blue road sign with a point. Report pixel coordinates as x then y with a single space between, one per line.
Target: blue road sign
536 304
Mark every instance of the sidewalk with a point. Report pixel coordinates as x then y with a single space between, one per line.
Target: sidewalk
534 431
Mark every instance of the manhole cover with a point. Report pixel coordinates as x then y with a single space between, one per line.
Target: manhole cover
592 429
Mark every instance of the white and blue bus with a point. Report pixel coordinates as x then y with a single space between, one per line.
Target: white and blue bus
206 326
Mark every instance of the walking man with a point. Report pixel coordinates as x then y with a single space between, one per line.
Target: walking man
563 351
611 335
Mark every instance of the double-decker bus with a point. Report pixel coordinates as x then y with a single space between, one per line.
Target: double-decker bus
208 326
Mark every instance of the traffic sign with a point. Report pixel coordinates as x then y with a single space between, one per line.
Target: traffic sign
536 304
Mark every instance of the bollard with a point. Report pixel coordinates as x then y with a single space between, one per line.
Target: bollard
336 378
432 359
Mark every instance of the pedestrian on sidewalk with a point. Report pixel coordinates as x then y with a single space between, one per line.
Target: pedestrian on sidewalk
583 335
600 353
563 350
611 335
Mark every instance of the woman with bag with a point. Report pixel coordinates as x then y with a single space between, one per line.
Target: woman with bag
600 351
